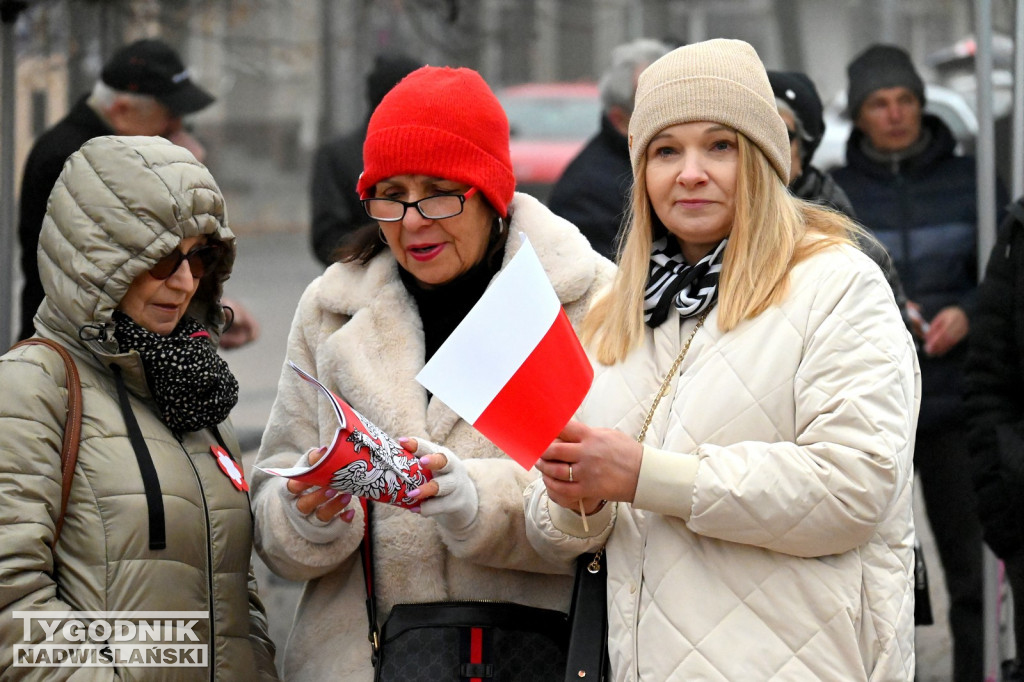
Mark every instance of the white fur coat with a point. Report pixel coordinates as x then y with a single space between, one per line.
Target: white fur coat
358 329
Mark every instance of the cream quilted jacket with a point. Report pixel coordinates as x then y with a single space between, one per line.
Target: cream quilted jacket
771 536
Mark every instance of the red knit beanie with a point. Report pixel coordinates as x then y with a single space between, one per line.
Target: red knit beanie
445 123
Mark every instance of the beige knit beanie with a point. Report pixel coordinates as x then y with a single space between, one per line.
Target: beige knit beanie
722 81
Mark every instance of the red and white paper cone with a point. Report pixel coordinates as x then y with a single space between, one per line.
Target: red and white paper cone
361 460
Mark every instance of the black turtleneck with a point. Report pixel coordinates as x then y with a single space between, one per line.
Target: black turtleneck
443 307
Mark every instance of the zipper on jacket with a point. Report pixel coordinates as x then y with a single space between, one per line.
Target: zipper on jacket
209 558
907 269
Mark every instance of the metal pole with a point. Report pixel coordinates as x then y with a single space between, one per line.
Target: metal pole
325 124
697 22
888 18
986 172
635 18
790 32
8 16
490 51
1017 159
992 625
546 65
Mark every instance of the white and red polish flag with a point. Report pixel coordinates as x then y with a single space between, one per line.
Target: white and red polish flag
514 368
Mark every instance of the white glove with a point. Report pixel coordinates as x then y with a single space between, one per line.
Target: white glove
308 526
456 503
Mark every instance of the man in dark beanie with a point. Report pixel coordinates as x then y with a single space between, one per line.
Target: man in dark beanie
911 189
334 204
143 89
879 67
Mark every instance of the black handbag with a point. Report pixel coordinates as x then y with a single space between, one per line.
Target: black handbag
489 641
588 638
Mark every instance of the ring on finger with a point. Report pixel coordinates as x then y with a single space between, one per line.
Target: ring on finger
570 474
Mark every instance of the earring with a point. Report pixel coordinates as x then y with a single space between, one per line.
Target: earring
380 233
501 225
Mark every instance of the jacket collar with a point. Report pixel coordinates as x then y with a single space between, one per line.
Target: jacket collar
101 354
84 116
941 145
613 139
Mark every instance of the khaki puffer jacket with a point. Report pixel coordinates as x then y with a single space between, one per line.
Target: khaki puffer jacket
359 330
120 205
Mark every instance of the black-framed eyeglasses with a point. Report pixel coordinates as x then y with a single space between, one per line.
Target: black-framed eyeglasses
200 261
436 207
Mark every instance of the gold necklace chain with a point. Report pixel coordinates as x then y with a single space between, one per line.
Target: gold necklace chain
668 377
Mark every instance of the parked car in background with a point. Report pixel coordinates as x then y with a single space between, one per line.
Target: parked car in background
550 123
943 102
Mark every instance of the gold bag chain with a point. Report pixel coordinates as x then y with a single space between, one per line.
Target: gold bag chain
668 377
595 564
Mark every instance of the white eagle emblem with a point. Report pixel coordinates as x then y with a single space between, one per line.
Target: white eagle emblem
379 477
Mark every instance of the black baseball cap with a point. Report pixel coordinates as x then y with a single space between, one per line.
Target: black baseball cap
797 90
152 67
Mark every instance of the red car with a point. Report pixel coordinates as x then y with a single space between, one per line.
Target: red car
550 123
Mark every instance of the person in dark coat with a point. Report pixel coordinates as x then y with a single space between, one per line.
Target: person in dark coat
920 199
144 89
801 109
334 203
594 189
995 409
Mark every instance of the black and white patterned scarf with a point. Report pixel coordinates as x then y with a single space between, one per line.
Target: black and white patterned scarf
692 289
193 387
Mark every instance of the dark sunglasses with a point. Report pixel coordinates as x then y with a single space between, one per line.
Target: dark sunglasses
200 261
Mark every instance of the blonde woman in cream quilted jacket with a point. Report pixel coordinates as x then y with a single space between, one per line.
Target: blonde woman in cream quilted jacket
762 529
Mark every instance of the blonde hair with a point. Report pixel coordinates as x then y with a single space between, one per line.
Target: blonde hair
771 232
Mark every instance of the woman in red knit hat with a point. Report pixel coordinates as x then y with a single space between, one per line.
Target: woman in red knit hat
438 181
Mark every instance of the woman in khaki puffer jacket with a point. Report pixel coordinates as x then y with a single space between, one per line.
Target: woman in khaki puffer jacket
134 252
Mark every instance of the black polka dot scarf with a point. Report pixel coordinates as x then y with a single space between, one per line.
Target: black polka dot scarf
193 387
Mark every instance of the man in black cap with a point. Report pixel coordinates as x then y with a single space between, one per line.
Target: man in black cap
144 89
911 189
335 206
